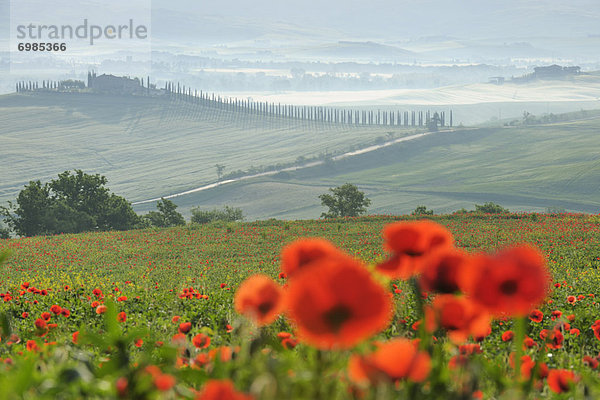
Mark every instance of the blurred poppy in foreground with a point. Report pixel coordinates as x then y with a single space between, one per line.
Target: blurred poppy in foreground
410 244
561 380
511 283
302 252
459 316
221 390
443 271
260 299
336 303
391 361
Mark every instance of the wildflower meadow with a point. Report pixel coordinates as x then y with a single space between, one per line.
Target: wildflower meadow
463 306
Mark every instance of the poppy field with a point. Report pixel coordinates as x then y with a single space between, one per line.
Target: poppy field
464 306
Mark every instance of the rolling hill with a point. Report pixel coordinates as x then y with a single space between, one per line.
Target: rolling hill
148 147
523 168
152 147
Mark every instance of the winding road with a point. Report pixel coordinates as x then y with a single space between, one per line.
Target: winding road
295 168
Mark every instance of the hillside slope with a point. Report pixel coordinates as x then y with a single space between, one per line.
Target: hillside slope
523 168
148 147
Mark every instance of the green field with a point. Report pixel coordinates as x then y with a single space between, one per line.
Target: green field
522 168
145 275
149 147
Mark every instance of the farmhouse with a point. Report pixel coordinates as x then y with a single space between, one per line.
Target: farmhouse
114 84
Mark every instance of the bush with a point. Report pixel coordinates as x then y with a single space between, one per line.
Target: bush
228 214
422 210
555 210
491 208
166 216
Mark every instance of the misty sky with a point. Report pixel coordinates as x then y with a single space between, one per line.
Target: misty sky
381 18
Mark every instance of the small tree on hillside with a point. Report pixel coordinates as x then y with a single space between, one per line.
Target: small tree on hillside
422 210
345 201
220 169
166 216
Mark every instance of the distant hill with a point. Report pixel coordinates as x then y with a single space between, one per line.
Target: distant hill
526 168
356 51
148 147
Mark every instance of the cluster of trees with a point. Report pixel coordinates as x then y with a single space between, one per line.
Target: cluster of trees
74 202
78 202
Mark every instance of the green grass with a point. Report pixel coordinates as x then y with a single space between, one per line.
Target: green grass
148 147
151 268
152 147
523 168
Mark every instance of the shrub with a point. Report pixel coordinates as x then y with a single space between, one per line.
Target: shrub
491 208
228 214
422 210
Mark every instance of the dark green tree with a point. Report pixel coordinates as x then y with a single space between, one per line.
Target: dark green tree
166 216
491 208
71 203
422 210
344 201
28 217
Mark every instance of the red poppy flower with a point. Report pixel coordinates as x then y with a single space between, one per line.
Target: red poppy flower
459 316
122 316
121 384
392 361
442 271
185 327
336 303
164 382
561 380
221 390
574 332
510 283
40 323
260 299
508 335
536 316
201 341
101 309
56 309
590 361
410 243
528 343
289 343
65 312
75 337
554 339
571 299
303 252
32 345
470 348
